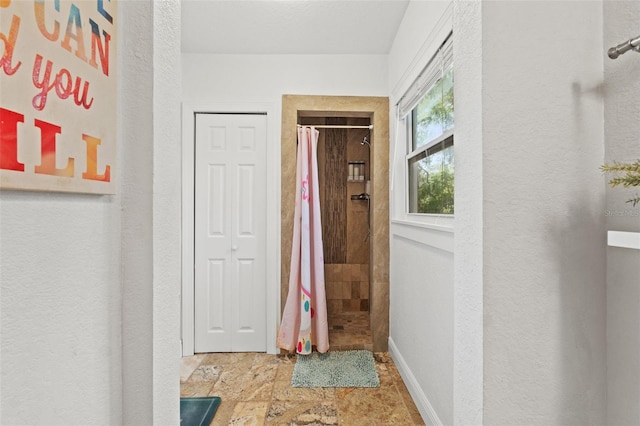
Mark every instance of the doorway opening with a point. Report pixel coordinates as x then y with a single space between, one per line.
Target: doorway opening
356 262
345 195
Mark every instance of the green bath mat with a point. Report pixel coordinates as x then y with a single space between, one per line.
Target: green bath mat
198 411
345 369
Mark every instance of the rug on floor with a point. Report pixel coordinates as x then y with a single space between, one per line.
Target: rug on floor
198 411
345 369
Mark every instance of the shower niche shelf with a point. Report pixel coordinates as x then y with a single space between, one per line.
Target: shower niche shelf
360 197
356 171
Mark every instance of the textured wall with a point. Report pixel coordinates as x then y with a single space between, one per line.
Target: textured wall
60 262
166 211
468 380
543 227
136 130
622 143
60 304
151 213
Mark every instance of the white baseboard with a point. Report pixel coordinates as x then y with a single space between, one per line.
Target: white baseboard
427 412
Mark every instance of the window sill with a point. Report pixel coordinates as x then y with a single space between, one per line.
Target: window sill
427 234
434 222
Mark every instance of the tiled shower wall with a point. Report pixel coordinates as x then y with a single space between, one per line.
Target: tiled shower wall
347 287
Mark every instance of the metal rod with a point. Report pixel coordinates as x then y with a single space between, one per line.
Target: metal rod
335 126
631 44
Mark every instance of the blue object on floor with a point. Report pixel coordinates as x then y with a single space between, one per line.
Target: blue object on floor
198 411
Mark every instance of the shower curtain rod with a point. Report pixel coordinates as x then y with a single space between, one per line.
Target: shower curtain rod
336 126
631 44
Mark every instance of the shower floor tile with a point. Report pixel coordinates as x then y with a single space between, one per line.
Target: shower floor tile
349 331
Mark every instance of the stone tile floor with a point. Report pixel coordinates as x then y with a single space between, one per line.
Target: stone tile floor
256 390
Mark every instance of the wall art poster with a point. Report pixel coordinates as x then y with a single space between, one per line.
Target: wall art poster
58 78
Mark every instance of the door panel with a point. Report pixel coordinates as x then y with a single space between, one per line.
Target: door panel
215 281
216 200
230 230
245 200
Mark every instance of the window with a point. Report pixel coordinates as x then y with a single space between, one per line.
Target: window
431 179
429 124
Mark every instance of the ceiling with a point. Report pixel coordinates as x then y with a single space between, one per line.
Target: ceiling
290 27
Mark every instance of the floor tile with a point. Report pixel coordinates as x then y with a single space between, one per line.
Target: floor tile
249 413
284 392
358 406
205 373
229 359
192 389
302 413
224 413
188 365
256 387
411 406
239 384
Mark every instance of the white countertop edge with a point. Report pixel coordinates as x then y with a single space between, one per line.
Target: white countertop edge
624 239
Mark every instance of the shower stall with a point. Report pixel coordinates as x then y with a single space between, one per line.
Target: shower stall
344 168
356 231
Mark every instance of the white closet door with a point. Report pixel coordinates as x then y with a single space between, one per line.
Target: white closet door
230 222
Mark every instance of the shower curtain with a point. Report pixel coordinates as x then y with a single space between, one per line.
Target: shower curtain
304 320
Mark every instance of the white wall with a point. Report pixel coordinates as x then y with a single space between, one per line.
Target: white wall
421 317
167 146
622 143
529 251
468 368
543 228
265 78
90 284
421 254
60 262
137 212
151 213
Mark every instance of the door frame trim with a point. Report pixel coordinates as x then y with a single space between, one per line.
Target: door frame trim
273 216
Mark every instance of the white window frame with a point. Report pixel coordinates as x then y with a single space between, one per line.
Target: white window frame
439 64
412 154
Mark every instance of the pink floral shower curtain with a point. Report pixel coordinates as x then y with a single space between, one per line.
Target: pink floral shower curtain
304 320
